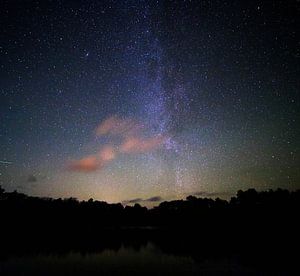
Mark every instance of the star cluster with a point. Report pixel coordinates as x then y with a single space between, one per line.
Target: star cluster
149 100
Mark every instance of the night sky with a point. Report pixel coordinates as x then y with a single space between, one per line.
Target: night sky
144 101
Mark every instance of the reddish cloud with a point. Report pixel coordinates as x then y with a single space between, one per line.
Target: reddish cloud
130 132
94 162
86 164
140 145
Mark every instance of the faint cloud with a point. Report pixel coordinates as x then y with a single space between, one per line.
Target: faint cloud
140 200
154 199
211 194
107 153
140 145
132 201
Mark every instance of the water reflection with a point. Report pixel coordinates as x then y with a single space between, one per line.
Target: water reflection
147 259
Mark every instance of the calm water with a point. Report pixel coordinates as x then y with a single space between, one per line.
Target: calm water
148 259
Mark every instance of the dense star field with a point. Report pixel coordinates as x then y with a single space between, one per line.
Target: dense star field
146 101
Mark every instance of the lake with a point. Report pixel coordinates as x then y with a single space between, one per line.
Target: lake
147 259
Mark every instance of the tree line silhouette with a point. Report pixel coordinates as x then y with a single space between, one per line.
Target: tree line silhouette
246 209
259 223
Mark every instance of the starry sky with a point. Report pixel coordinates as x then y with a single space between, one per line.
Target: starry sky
144 101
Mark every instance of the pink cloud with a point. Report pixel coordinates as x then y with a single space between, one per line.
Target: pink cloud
133 142
86 164
92 163
141 145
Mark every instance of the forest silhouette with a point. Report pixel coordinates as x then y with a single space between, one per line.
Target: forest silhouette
261 224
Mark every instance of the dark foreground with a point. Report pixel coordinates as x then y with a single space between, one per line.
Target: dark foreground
254 233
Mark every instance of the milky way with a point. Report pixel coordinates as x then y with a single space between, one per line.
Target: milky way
142 101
